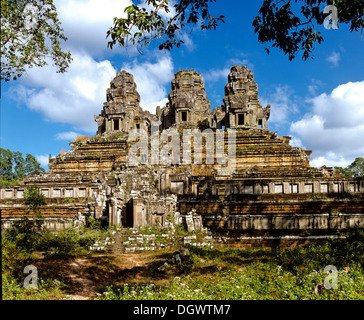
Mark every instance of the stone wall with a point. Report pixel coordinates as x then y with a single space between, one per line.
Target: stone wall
268 185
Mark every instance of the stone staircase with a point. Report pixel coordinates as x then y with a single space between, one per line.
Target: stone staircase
118 246
131 241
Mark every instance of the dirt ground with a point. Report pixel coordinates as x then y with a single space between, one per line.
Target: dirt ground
89 274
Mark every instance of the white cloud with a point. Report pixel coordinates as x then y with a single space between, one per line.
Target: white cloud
76 96
73 97
43 159
344 107
217 74
85 22
214 75
330 160
314 86
334 130
334 58
282 104
151 79
68 136
187 42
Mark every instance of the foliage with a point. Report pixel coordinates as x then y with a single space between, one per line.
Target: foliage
355 169
13 260
71 242
13 166
31 35
26 233
34 198
292 32
29 235
22 239
251 274
83 139
156 24
48 289
276 24
333 252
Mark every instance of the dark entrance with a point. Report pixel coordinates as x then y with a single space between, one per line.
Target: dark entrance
260 123
240 119
129 214
184 116
116 124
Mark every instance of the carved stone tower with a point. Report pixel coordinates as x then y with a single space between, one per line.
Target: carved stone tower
242 102
187 101
121 112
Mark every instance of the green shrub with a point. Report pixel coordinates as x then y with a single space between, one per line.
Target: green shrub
70 242
26 233
34 198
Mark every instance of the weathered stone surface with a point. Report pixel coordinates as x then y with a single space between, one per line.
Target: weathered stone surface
197 220
242 101
272 186
190 223
177 219
187 101
122 112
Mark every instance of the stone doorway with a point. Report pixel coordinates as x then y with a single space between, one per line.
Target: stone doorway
129 214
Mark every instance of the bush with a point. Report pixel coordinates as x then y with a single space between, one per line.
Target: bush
338 252
34 198
26 233
70 242
30 235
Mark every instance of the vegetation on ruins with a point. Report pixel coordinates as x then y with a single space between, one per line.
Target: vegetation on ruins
355 169
31 35
292 273
237 274
13 166
34 198
292 28
20 244
80 138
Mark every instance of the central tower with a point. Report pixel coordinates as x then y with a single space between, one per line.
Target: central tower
188 104
242 101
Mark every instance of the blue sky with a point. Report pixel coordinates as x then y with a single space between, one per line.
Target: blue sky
319 103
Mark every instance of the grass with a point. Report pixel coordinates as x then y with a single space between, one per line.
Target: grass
253 274
20 247
250 274
207 273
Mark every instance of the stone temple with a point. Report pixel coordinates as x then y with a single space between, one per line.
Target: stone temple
269 185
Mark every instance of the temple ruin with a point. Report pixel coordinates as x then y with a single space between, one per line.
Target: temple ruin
268 186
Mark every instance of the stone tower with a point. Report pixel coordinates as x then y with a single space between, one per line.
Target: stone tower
187 101
268 187
121 112
242 102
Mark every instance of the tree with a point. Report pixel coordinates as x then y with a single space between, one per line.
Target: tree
276 24
26 233
34 198
31 34
279 26
13 166
355 169
153 24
